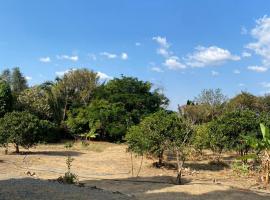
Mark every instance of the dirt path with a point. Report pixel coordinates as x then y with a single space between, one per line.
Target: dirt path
107 166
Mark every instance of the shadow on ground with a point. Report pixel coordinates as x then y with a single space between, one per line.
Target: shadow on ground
142 188
50 153
162 187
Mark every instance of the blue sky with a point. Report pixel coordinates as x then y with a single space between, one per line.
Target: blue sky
182 46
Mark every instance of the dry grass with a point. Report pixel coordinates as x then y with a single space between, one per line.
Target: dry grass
108 166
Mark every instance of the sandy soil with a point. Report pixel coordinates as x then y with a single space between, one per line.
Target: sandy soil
108 167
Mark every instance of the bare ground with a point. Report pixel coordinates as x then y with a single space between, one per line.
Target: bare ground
108 167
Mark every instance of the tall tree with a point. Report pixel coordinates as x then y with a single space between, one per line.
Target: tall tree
76 88
18 81
6 76
5 98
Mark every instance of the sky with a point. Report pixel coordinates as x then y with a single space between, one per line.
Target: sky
181 46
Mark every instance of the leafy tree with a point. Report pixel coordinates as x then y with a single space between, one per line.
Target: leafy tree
76 88
5 98
135 95
213 100
6 76
244 101
18 81
19 128
106 119
159 132
200 139
36 101
197 114
228 130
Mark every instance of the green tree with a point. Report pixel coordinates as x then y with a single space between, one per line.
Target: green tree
106 119
244 101
6 76
18 81
36 101
76 88
158 133
5 98
227 131
19 128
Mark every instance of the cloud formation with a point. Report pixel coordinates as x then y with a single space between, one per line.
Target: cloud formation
67 57
209 56
45 59
174 63
257 68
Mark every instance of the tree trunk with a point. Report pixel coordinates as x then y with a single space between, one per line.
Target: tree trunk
160 159
132 168
179 169
65 109
140 167
17 148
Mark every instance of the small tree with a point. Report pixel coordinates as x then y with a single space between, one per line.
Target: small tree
19 128
158 133
179 141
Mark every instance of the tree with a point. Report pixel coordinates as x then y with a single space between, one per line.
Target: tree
227 131
107 119
214 100
200 139
18 81
5 98
158 133
36 101
6 76
76 88
244 101
137 97
19 128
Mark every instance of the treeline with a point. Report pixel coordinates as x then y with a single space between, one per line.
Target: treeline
76 104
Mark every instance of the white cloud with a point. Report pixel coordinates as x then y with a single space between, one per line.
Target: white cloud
162 41
246 54
173 63
257 68
157 69
241 84
28 78
62 73
236 71
214 73
109 55
163 52
138 44
209 56
164 46
67 57
124 56
104 76
261 34
45 59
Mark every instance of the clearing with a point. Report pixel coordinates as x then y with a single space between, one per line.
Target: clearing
105 169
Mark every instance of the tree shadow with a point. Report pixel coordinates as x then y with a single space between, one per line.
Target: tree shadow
146 188
50 153
32 189
207 166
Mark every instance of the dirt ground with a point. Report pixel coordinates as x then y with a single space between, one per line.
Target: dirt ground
106 171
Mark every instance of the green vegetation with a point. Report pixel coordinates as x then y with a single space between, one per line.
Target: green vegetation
79 106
